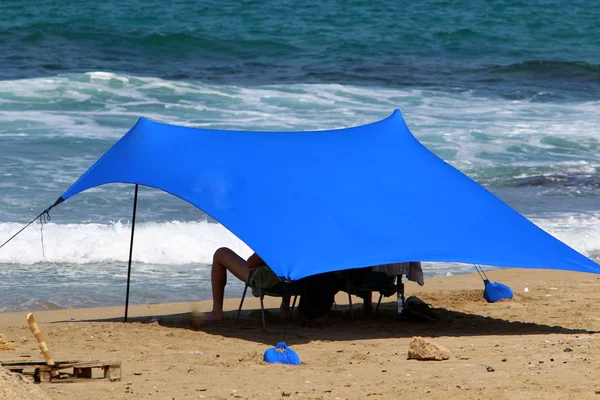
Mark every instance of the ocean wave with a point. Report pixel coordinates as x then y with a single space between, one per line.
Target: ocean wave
264 57
158 243
543 81
9 305
548 69
77 100
581 182
184 243
171 42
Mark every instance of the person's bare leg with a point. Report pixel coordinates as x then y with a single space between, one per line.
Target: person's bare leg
284 309
368 304
225 260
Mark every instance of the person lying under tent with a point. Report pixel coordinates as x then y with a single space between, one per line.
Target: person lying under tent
225 260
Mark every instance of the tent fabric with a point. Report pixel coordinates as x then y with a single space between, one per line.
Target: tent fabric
312 202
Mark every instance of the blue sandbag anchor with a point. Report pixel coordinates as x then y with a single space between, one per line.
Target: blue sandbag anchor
281 354
494 291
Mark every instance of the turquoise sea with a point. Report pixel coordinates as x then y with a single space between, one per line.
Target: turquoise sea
506 91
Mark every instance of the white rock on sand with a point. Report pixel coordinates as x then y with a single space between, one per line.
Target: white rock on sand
424 349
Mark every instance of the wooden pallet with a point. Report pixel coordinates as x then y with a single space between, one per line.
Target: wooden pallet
54 371
81 370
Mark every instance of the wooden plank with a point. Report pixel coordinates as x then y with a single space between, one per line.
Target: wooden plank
80 364
82 370
93 364
31 363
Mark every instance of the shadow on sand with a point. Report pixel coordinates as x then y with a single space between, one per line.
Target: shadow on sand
338 325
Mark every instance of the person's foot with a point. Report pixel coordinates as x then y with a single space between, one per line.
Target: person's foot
197 319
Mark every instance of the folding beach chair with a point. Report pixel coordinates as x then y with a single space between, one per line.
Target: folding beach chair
291 289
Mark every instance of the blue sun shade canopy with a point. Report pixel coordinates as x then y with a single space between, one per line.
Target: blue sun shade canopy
312 202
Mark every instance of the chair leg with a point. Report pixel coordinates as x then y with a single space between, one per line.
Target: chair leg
262 309
350 301
242 302
378 302
349 295
293 306
401 288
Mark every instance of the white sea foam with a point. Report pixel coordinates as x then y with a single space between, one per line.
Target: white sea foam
82 100
155 243
176 243
580 231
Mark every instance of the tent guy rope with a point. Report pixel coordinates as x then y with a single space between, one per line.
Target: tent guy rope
44 217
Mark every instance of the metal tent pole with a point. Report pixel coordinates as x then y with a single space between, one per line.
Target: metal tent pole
131 251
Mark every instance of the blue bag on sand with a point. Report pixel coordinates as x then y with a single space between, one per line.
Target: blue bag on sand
281 354
495 291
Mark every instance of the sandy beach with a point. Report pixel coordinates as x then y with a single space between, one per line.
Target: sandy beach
139 137
541 345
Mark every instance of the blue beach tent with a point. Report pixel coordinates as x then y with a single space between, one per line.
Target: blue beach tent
312 202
